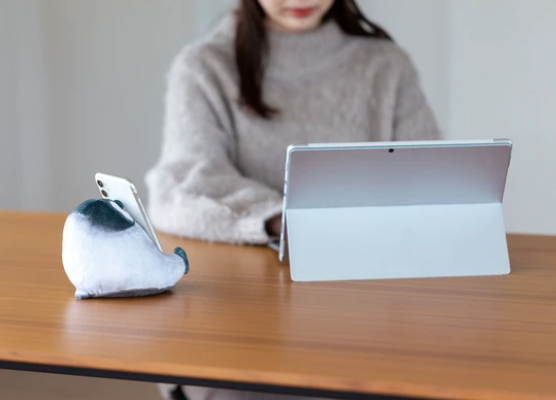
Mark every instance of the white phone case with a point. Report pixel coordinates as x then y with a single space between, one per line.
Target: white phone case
122 189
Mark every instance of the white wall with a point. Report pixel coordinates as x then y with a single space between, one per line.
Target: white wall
86 81
487 67
24 155
502 84
81 90
107 62
9 160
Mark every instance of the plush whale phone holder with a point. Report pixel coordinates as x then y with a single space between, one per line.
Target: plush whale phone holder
107 254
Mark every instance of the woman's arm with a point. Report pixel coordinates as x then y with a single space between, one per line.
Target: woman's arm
195 190
413 118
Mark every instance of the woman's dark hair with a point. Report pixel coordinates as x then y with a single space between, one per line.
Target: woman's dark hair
251 45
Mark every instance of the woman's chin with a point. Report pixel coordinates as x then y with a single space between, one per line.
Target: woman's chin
299 25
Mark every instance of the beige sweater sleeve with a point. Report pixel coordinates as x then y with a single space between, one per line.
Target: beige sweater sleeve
195 190
413 118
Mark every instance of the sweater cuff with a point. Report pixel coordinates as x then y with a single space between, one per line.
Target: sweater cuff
253 226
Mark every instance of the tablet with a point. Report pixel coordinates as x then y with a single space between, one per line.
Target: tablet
344 202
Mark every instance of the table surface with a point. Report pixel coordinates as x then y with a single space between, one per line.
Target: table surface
237 319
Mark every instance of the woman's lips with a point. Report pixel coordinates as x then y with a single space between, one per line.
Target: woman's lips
302 12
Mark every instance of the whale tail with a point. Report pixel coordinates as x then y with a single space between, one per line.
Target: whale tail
181 252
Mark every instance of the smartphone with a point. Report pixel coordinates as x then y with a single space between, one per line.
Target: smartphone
122 189
274 244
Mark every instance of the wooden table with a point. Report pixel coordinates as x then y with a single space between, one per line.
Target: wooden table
238 321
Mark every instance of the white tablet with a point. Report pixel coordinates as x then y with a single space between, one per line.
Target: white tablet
395 209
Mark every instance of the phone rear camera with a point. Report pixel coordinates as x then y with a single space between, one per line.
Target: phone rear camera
391 150
103 192
100 184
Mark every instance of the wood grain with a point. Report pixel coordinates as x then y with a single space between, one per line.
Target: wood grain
238 317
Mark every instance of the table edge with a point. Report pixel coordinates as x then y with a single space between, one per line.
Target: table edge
191 381
382 390
64 214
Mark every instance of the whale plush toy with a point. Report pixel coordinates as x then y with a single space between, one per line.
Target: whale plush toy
107 254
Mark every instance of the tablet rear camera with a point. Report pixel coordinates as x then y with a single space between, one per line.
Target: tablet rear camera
104 193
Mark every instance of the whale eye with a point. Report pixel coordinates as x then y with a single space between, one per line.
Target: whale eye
118 202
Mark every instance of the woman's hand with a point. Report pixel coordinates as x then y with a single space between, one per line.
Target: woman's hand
274 226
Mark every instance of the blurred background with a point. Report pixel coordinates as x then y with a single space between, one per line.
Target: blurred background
82 86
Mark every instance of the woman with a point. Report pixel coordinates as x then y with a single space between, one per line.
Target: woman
275 73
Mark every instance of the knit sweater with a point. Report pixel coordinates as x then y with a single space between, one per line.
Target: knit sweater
220 175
